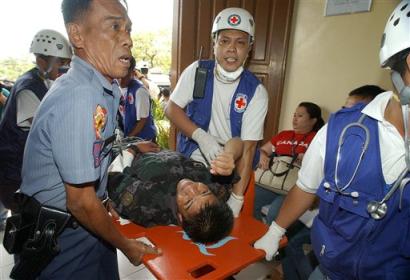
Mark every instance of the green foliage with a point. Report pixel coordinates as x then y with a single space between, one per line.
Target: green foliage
162 124
154 47
11 68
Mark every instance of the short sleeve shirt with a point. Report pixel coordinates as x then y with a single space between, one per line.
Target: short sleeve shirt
220 126
65 143
288 142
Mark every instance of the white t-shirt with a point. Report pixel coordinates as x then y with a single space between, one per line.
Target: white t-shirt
219 126
141 102
391 149
27 104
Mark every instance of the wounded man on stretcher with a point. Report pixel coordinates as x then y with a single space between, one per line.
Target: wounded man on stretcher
152 187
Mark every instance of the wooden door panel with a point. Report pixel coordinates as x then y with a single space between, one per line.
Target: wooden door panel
192 30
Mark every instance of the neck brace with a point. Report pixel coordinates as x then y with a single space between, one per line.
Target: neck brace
227 77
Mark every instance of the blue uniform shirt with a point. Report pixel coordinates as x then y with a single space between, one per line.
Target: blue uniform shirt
65 143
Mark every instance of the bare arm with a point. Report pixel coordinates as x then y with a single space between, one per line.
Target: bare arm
84 204
224 163
138 127
245 167
178 117
266 152
296 203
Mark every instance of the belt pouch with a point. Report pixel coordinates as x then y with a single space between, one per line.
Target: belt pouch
39 251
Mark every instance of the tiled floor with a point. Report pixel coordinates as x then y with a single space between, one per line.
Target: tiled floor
256 271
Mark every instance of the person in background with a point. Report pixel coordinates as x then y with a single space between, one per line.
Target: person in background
363 94
52 51
4 94
232 104
164 98
358 167
136 107
68 152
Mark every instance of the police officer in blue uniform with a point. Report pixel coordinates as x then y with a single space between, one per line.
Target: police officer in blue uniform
68 152
358 165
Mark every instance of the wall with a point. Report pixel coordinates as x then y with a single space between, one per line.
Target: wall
329 56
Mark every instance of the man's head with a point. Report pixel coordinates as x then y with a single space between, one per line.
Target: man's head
203 216
99 31
363 94
233 33
130 74
395 49
52 51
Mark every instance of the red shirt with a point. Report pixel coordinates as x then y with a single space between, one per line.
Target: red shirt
287 140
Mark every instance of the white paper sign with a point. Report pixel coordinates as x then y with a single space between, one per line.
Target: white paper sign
338 7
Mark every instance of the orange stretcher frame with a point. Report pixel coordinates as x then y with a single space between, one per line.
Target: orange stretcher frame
182 259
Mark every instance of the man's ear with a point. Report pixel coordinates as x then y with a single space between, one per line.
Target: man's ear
408 61
75 36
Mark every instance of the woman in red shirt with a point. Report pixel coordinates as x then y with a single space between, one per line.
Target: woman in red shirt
307 120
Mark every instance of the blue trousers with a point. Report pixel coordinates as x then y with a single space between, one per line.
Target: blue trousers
82 256
296 265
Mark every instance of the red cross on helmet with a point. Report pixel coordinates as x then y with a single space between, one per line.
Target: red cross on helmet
234 18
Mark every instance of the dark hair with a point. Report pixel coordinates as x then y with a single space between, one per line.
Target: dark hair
164 92
211 224
367 91
132 64
398 61
75 9
314 111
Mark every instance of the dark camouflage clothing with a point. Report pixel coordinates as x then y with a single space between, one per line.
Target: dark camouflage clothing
145 192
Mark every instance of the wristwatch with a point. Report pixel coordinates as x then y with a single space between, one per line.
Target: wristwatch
134 149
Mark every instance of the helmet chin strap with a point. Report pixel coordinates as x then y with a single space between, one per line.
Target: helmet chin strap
404 93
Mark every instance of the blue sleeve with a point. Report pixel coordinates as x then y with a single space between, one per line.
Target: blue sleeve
74 136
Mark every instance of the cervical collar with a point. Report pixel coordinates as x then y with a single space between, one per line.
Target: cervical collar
227 77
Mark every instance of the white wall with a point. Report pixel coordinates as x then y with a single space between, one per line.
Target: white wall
330 56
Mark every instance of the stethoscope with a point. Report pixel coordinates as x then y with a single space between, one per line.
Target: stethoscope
376 209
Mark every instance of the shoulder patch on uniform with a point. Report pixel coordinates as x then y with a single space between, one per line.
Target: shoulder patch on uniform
100 120
241 102
97 148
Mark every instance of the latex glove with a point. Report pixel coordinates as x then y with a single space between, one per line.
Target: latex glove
235 202
270 241
208 144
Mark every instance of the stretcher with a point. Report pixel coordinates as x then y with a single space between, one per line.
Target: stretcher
183 259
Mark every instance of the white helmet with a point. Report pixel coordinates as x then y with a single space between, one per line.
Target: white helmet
51 43
234 18
396 36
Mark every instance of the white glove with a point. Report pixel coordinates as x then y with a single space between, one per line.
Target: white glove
270 241
208 144
235 202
